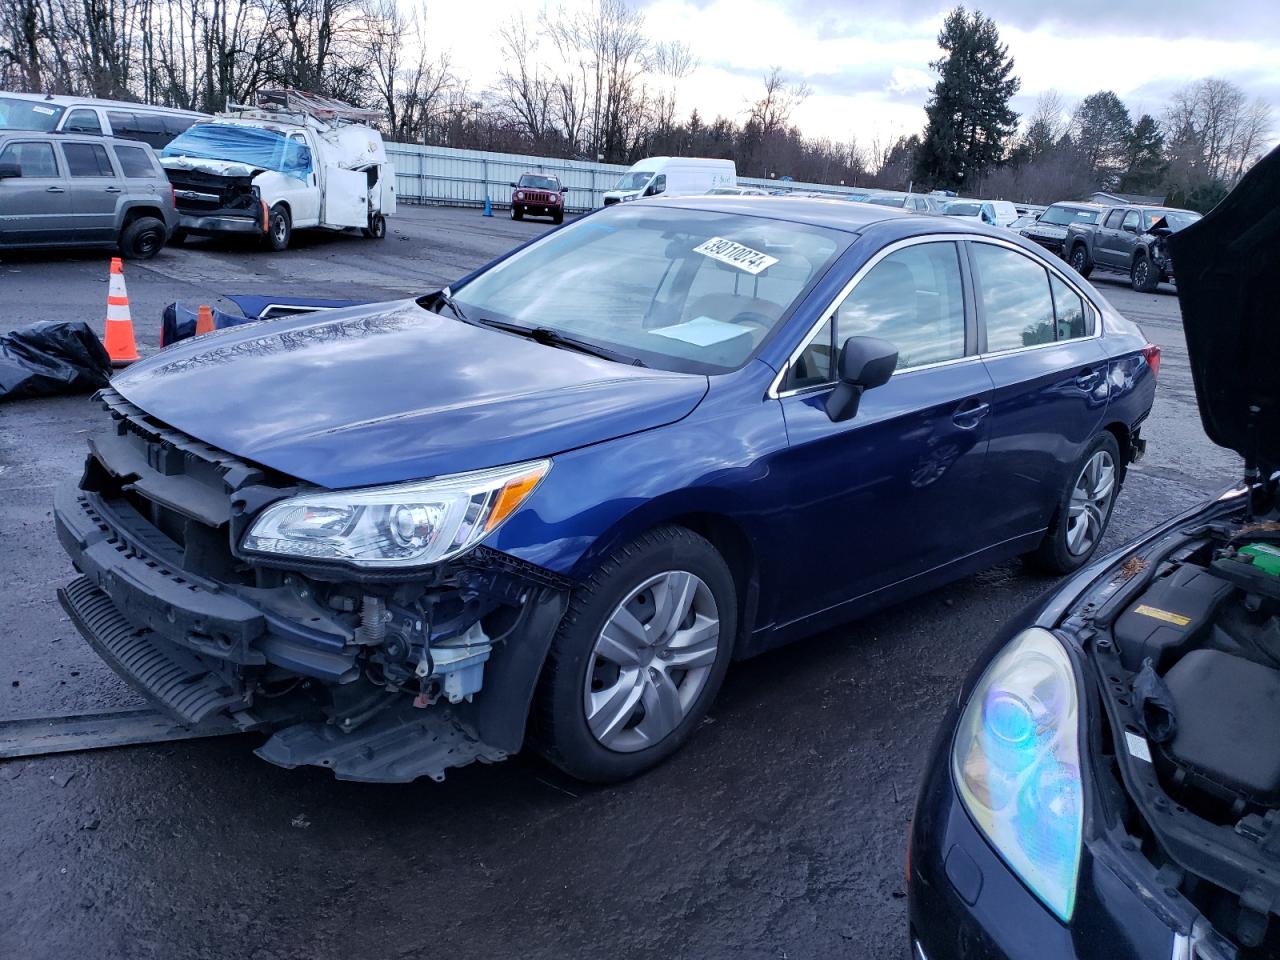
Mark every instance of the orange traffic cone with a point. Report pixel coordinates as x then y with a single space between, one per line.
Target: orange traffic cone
204 320
121 347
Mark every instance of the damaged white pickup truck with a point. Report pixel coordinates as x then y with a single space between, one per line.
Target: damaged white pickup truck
294 161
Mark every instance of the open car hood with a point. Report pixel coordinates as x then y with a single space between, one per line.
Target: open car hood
1228 269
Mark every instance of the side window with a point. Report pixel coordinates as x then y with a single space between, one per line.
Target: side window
659 184
87 160
1013 291
174 125
82 120
134 162
149 128
1131 219
33 159
122 124
814 365
1113 219
1068 309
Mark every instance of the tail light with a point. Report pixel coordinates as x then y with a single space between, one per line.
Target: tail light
1152 353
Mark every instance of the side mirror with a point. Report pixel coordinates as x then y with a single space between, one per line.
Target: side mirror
514 184
865 362
9 169
564 189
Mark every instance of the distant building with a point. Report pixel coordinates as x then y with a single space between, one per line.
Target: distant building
1114 199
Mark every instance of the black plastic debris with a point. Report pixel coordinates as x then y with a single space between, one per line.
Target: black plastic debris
1156 702
52 357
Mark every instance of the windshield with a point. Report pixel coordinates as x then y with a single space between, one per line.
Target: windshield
252 146
683 290
533 182
888 201
962 209
635 180
1176 219
1064 216
18 114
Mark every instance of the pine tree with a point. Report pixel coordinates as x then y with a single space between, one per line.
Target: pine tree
1103 130
1146 166
969 119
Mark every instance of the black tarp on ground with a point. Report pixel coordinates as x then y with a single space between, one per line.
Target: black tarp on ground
55 356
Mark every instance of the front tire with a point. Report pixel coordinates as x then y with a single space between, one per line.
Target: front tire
279 228
516 213
142 239
1144 277
1084 510
377 228
638 657
1080 260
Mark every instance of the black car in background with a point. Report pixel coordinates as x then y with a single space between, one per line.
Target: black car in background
1050 227
1107 784
1130 241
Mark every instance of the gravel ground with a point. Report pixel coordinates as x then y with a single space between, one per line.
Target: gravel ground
778 832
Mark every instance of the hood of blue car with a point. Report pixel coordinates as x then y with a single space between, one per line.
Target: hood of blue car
392 392
1227 265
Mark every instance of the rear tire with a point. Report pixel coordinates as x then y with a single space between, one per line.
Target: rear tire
142 239
1083 512
1080 261
1144 277
638 657
279 228
377 228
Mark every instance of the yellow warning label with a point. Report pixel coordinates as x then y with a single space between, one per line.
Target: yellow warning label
1164 615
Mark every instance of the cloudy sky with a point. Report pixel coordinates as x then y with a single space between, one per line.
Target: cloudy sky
866 63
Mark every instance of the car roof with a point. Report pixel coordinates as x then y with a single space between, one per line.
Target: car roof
62 100
835 214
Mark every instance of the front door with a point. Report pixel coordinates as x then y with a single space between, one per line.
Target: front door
874 498
1106 248
33 206
94 191
1049 370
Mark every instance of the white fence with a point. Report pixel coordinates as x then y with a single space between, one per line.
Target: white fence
465 177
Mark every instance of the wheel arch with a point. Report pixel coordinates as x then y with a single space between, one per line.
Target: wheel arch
139 210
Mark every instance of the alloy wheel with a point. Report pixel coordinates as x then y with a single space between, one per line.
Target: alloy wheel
1090 503
651 661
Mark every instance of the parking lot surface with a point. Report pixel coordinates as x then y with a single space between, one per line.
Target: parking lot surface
779 831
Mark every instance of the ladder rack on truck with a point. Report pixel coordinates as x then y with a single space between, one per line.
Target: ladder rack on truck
299 104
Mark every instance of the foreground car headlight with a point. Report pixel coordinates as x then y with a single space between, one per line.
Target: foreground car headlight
406 525
1016 764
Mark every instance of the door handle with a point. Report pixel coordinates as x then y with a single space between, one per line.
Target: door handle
113 189
970 413
1088 379
54 190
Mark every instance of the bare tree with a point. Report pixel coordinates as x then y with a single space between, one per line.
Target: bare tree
524 92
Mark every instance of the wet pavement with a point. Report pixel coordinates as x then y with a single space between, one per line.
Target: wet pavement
779 831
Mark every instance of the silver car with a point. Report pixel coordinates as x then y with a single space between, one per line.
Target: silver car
81 191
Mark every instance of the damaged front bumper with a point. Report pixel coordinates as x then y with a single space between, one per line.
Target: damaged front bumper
222 223
382 680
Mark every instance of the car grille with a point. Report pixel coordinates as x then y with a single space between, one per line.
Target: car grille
538 197
172 494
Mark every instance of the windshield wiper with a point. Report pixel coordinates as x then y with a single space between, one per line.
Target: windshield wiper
554 338
445 297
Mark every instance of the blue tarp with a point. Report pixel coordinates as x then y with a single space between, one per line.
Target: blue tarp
255 147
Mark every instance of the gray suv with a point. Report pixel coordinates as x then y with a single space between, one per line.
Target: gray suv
59 190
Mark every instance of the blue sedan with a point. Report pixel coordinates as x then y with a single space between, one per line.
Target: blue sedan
550 503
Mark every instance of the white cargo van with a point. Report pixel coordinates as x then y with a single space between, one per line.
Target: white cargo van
295 161
672 176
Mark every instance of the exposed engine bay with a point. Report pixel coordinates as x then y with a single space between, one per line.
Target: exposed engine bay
1187 652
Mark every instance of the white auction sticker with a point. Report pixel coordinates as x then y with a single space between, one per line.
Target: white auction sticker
1137 746
736 255
47 111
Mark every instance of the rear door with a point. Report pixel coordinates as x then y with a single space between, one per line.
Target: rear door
94 189
1049 370
874 499
33 207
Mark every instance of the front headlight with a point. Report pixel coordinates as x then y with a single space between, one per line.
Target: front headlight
1016 764
406 525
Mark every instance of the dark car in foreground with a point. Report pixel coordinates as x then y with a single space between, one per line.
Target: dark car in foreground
553 501
1107 784
538 195
64 191
1129 241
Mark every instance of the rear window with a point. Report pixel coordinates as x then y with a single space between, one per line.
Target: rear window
18 114
1063 216
87 160
134 162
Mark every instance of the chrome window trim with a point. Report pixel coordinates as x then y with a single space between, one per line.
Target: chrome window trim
775 387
